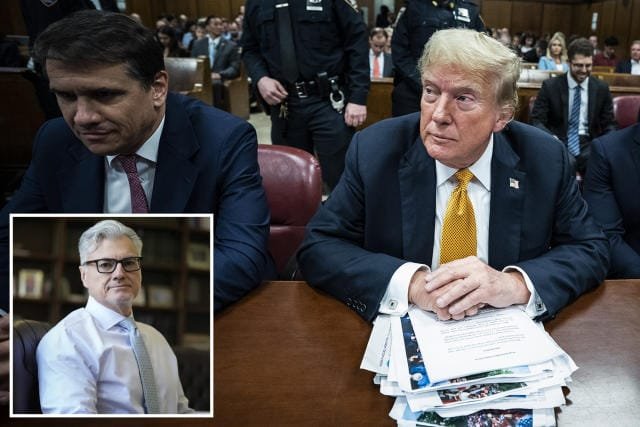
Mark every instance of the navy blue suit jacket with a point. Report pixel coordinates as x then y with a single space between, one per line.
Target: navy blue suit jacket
382 214
207 163
611 190
624 67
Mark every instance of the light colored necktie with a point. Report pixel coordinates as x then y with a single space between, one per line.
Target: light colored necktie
212 52
459 225
138 198
376 66
151 403
573 139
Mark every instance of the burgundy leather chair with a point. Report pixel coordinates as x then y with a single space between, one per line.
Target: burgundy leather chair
625 110
293 182
26 336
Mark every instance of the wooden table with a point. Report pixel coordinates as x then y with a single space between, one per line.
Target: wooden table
288 355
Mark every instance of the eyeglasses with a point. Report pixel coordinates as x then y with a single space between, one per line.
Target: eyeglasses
587 66
108 265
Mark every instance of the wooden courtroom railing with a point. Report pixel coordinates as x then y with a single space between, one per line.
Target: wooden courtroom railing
191 77
379 101
287 354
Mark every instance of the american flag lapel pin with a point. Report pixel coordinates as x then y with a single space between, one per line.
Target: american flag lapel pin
514 183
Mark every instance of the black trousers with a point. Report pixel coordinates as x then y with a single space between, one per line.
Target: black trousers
314 126
579 162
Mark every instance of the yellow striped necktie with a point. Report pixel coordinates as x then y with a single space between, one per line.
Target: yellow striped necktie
459 225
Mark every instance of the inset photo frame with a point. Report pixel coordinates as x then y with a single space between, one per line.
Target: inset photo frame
30 283
160 296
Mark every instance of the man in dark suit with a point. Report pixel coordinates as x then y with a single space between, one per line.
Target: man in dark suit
383 240
632 65
552 110
223 54
380 63
611 190
125 145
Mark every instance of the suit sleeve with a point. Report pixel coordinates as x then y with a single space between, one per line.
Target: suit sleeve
403 64
578 258
356 48
540 111
332 256
605 114
241 258
28 198
233 69
600 195
250 42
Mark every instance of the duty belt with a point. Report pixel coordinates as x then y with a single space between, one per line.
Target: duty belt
303 90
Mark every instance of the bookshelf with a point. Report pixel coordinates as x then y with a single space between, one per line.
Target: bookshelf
176 278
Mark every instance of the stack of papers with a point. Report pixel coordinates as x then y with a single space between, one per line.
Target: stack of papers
496 368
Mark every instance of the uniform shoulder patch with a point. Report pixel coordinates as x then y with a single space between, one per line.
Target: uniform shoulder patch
352 3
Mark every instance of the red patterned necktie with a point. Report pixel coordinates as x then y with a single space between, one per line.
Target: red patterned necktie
138 198
376 67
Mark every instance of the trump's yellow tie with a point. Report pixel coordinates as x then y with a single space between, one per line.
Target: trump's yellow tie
459 225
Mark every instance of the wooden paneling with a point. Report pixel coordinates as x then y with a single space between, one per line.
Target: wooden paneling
496 13
607 22
11 20
526 16
623 24
581 19
556 17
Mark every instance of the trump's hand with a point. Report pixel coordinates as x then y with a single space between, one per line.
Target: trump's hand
469 283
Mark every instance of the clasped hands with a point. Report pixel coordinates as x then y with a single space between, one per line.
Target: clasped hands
461 287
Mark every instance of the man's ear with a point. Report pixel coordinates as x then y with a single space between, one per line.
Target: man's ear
505 115
159 88
83 276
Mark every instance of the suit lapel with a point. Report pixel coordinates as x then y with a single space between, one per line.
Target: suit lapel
175 172
417 177
81 183
508 187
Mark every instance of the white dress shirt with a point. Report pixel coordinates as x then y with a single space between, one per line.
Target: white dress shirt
395 300
583 129
117 195
635 67
86 365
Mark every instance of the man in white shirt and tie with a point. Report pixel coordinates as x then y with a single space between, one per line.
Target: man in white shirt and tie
380 64
98 360
631 65
223 54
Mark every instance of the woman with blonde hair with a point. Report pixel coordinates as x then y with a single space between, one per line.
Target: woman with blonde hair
556 57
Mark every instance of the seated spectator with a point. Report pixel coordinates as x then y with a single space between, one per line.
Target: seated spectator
593 39
556 57
607 57
98 359
611 189
574 107
380 63
170 48
538 52
528 44
199 34
631 65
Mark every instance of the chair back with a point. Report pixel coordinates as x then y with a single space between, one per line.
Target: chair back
26 394
195 376
625 110
191 77
293 183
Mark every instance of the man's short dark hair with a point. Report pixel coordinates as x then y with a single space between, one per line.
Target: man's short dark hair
378 31
611 41
580 46
93 37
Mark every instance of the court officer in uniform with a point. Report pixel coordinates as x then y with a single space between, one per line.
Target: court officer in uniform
414 28
309 61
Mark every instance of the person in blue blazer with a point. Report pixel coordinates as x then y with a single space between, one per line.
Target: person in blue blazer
190 157
375 244
611 189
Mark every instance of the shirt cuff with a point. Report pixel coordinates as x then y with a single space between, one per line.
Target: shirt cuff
396 299
535 307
